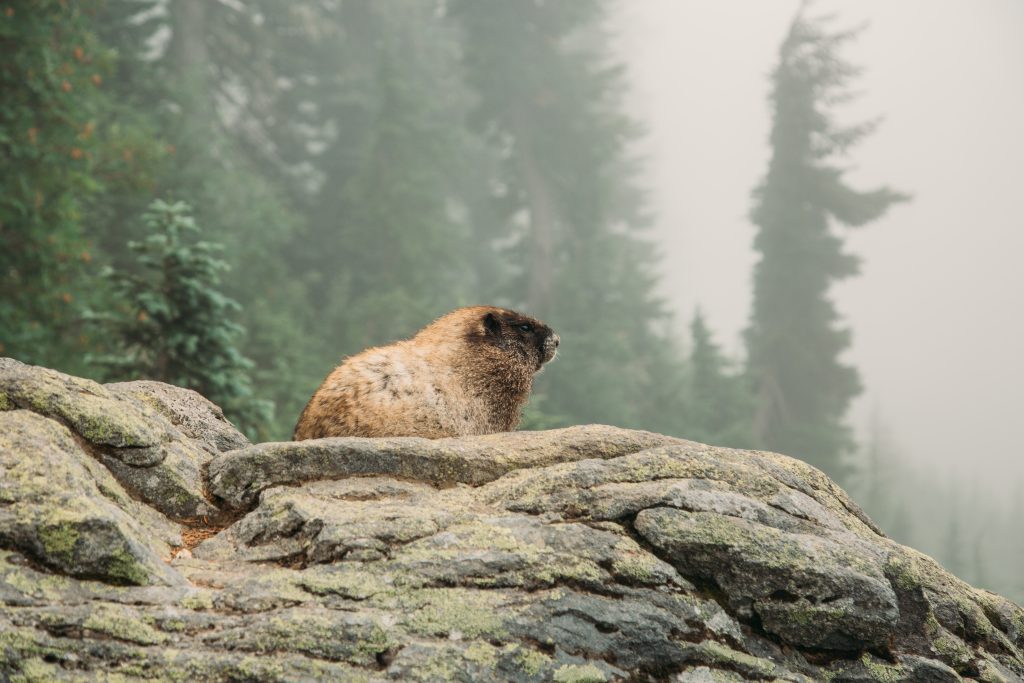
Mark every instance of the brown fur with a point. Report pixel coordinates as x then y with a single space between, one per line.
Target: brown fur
468 372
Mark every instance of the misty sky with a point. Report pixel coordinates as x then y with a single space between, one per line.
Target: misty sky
936 312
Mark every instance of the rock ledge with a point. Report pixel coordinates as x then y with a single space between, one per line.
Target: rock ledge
143 538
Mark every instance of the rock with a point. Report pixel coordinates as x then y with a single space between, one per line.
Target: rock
175 486
94 413
54 511
128 428
238 477
585 554
195 416
808 589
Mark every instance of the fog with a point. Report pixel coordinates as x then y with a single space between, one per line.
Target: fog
361 168
936 311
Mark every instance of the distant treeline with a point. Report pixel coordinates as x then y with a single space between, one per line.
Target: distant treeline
335 174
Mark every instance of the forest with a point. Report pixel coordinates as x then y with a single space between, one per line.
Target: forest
233 196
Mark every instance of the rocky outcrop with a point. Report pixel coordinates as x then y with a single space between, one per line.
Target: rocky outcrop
141 537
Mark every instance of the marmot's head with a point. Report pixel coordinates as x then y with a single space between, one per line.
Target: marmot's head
501 332
526 337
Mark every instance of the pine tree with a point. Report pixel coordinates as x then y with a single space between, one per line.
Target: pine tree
217 92
174 325
900 526
387 237
1014 558
59 158
794 340
718 402
880 477
567 208
325 143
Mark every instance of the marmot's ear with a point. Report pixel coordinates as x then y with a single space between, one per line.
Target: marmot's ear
491 324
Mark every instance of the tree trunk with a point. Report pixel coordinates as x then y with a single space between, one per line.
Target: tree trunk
543 224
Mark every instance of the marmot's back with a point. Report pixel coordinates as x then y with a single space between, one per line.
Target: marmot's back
468 372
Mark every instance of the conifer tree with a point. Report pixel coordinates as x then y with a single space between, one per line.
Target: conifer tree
794 340
900 526
550 103
173 324
387 238
955 548
58 157
214 78
1015 547
718 402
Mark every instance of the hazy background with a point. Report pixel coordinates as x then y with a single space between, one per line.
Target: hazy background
937 311
233 196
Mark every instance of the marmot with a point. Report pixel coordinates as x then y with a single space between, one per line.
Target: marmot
468 372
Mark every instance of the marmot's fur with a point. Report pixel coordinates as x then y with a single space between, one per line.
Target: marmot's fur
468 372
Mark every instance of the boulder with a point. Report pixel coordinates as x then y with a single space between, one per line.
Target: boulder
63 514
584 554
154 438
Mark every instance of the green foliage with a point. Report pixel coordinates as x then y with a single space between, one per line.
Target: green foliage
50 77
174 325
210 92
794 340
718 401
564 209
386 240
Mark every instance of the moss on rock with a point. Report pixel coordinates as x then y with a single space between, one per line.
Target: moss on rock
584 554
579 673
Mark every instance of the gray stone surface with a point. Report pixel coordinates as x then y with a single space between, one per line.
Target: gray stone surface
236 478
187 410
55 510
131 428
585 554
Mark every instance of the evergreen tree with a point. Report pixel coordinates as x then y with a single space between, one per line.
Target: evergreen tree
174 325
900 526
881 477
59 156
213 90
550 103
325 142
387 238
794 341
718 402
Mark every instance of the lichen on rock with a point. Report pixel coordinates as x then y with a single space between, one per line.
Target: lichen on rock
53 510
586 554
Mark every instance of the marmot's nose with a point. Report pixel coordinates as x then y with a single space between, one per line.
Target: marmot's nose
555 340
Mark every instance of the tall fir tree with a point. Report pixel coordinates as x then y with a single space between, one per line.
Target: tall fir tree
60 156
794 340
550 103
718 402
212 77
387 240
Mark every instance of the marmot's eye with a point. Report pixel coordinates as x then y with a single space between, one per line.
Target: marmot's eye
526 327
